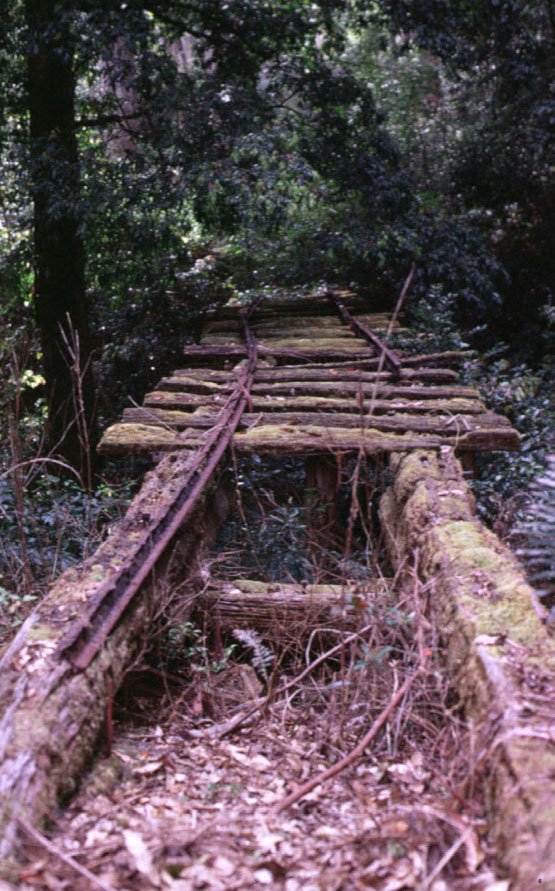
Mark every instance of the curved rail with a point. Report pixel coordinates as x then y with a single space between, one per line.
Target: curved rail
86 636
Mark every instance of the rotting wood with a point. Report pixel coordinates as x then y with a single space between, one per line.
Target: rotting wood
284 611
267 403
499 651
379 389
186 379
363 357
322 486
450 424
296 439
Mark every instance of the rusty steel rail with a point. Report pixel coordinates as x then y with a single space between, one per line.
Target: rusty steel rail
390 359
87 635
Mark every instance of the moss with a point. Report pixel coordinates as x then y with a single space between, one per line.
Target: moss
346 343
42 631
124 438
412 469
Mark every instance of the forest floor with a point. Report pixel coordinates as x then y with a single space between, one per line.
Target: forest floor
182 802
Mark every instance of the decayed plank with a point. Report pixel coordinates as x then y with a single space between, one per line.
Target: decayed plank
281 439
498 648
186 401
320 322
184 379
447 360
286 610
350 389
296 439
350 349
351 352
449 424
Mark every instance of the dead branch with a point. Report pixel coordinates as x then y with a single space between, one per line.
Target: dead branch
355 753
65 858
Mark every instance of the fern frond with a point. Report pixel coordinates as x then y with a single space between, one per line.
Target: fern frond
262 656
539 529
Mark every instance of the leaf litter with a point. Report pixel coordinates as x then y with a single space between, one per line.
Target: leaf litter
175 808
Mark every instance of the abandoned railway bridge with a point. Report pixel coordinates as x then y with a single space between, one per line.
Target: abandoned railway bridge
311 378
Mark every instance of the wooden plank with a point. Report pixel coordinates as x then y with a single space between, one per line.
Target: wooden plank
447 423
351 389
292 439
348 388
351 353
186 401
288 439
181 378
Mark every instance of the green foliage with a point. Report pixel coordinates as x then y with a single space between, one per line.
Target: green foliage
525 397
262 656
186 642
539 532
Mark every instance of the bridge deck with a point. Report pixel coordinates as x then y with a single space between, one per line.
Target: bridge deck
321 384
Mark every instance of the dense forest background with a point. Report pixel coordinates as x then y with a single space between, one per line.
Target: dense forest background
158 158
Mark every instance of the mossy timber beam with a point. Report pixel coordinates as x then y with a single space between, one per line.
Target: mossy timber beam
499 651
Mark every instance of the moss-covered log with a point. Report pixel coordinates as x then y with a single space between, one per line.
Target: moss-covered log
499 651
52 716
452 425
295 439
188 402
283 611
198 355
194 383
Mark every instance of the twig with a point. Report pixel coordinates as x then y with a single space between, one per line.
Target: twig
449 854
355 753
220 730
65 858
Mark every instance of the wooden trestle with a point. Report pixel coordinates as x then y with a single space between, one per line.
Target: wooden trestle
325 381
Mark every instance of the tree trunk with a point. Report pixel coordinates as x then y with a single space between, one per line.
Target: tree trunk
60 302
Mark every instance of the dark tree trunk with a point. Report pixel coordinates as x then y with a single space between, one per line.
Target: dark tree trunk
60 301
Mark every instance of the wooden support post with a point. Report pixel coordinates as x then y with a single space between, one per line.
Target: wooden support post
321 490
468 463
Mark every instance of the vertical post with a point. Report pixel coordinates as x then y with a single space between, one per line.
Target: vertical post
321 491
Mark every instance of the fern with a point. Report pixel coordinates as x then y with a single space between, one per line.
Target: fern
539 552
262 656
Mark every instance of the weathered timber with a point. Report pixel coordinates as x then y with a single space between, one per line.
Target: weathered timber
185 380
296 439
322 323
499 651
185 402
448 423
283 611
50 715
280 338
350 389
299 440
348 349
351 354
304 306
322 486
